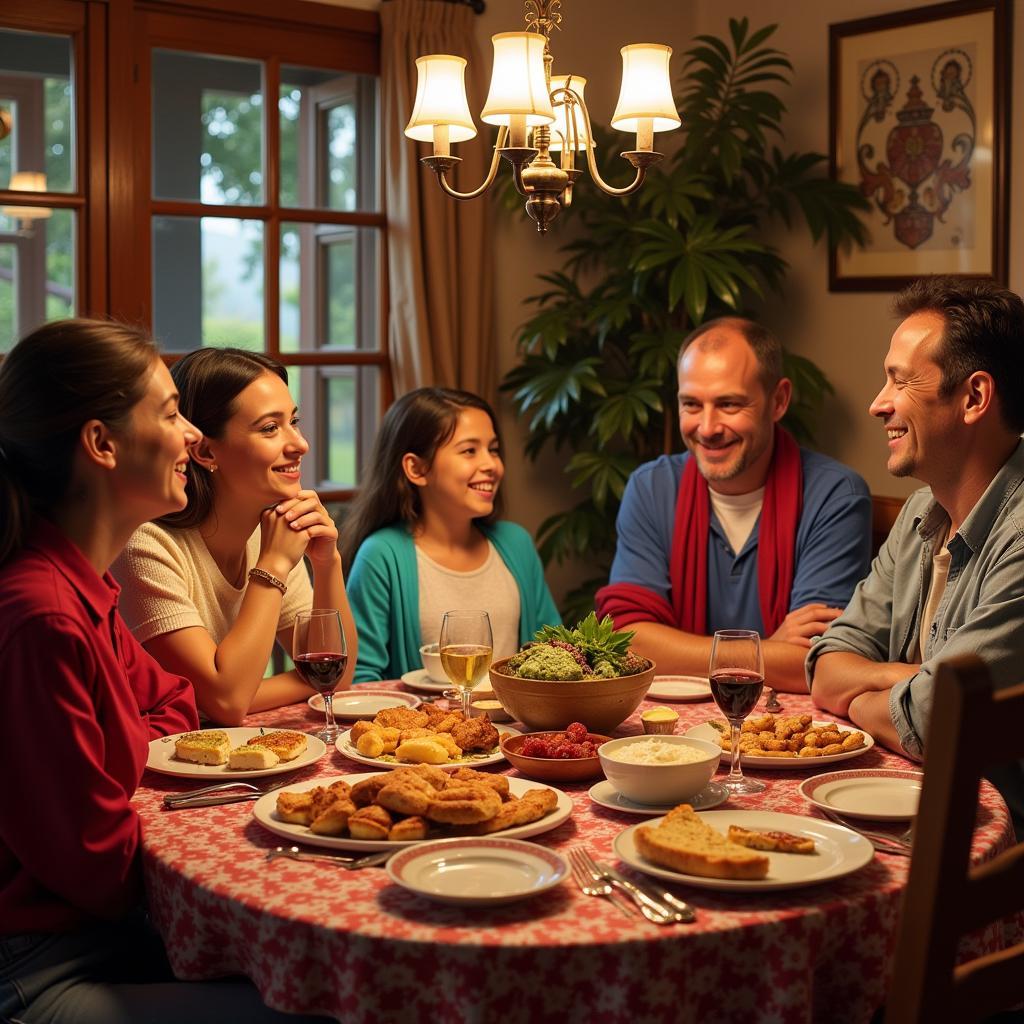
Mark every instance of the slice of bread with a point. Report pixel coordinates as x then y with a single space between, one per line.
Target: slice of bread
209 746
765 839
683 842
252 758
286 743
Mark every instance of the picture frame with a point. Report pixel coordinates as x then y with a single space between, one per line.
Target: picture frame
919 121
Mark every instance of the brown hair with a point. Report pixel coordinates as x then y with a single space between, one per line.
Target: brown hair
51 383
984 327
208 381
420 422
766 346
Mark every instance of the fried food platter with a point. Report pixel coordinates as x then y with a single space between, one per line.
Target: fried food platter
345 746
265 812
706 731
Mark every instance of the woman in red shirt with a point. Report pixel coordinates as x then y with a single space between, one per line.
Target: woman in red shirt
91 446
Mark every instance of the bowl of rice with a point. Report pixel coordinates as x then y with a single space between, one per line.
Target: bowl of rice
659 769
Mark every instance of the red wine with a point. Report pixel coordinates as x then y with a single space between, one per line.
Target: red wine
322 669
736 691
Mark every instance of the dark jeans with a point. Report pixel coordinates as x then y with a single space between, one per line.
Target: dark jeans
115 974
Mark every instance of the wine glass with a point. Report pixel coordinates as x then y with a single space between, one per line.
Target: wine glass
320 655
736 673
466 648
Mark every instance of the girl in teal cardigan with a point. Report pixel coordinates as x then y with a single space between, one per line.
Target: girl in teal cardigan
434 485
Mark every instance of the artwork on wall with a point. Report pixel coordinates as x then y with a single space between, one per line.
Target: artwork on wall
919 122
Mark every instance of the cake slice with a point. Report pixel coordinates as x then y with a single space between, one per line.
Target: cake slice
683 842
250 758
770 839
209 746
284 742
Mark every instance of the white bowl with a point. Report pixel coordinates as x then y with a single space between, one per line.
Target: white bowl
432 663
659 784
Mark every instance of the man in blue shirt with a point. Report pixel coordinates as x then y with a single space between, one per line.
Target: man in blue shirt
745 530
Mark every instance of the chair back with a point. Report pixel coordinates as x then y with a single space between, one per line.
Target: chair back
972 728
884 511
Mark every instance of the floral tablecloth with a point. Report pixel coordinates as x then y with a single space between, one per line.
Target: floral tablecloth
319 939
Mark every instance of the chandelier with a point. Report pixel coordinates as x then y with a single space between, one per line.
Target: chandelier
539 114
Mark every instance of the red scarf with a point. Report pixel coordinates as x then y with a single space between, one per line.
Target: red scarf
688 571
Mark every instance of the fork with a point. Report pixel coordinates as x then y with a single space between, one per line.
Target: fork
351 863
884 842
592 885
173 798
643 900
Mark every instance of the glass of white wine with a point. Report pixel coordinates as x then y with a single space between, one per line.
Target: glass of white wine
466 648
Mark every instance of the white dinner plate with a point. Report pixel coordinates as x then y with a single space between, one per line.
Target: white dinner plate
838 851
161 757
265 812
706 731
605 794
679 688
344 745
477 872
364 702
882 794
419 680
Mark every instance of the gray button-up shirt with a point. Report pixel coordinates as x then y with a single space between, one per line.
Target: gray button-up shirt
981 611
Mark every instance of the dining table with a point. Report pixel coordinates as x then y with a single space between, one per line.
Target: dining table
353 946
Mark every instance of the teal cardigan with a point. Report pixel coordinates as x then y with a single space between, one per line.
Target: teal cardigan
383 591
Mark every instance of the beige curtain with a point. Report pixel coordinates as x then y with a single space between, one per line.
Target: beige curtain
439 250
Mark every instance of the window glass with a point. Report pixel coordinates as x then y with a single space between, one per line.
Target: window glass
208 282
350 402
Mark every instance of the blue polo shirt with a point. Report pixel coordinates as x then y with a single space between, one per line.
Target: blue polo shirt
833 541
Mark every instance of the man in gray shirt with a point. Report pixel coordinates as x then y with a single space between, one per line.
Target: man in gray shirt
950 577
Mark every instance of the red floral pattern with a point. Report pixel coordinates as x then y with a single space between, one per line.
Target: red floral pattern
350 945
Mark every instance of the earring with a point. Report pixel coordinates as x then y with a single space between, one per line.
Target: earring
213 467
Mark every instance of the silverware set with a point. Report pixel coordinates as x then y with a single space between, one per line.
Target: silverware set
884 842
338 860
212 796
597 879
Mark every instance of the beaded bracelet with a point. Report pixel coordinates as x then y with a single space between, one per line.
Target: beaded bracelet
268 577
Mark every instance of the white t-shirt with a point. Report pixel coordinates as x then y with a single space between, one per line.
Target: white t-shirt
491 588
738 514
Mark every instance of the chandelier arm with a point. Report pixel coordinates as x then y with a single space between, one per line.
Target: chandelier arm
641 172
487 182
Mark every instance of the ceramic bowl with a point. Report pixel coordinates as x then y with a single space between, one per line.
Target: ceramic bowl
659 783
552 769
553 704
432 663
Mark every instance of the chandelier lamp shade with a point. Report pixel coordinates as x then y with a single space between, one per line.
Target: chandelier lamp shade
538 114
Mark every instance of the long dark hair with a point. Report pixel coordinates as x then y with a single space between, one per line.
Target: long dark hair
51 383
208 382
420 422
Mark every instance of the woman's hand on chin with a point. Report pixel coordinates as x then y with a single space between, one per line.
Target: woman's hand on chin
306 515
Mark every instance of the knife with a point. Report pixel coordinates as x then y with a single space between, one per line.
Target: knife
659 898
212 800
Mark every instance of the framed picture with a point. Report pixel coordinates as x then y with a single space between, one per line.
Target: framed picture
919 118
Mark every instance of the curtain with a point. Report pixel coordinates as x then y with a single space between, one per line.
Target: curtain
439 249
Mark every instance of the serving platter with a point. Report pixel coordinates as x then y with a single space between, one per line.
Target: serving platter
344 745
477 871
839 851
706 731
682 689
879 794
162 759
364 702
265 812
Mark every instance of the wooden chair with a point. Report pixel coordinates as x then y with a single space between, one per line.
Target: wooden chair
884 511
972 728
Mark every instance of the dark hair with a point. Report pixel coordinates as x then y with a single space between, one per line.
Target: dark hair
984 330
766 346
209 380
420 422
52 382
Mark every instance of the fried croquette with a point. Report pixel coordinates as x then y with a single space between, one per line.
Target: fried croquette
464 804
404 797
370 744
533 805
295 808
365 791
401 718
499 783
333 820
371 822
476 734
409 830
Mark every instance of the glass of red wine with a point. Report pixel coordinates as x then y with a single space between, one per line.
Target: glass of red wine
320 655
737 679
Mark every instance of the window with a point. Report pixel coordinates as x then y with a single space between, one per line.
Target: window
240 203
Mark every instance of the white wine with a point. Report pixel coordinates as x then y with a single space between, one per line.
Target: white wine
465 664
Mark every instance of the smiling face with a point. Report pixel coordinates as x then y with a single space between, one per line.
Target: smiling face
258 455
154 456
726 418
921 425
464 477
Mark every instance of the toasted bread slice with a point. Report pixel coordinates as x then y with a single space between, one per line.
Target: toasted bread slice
765 839
683 842
252 758
285 743
208 746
